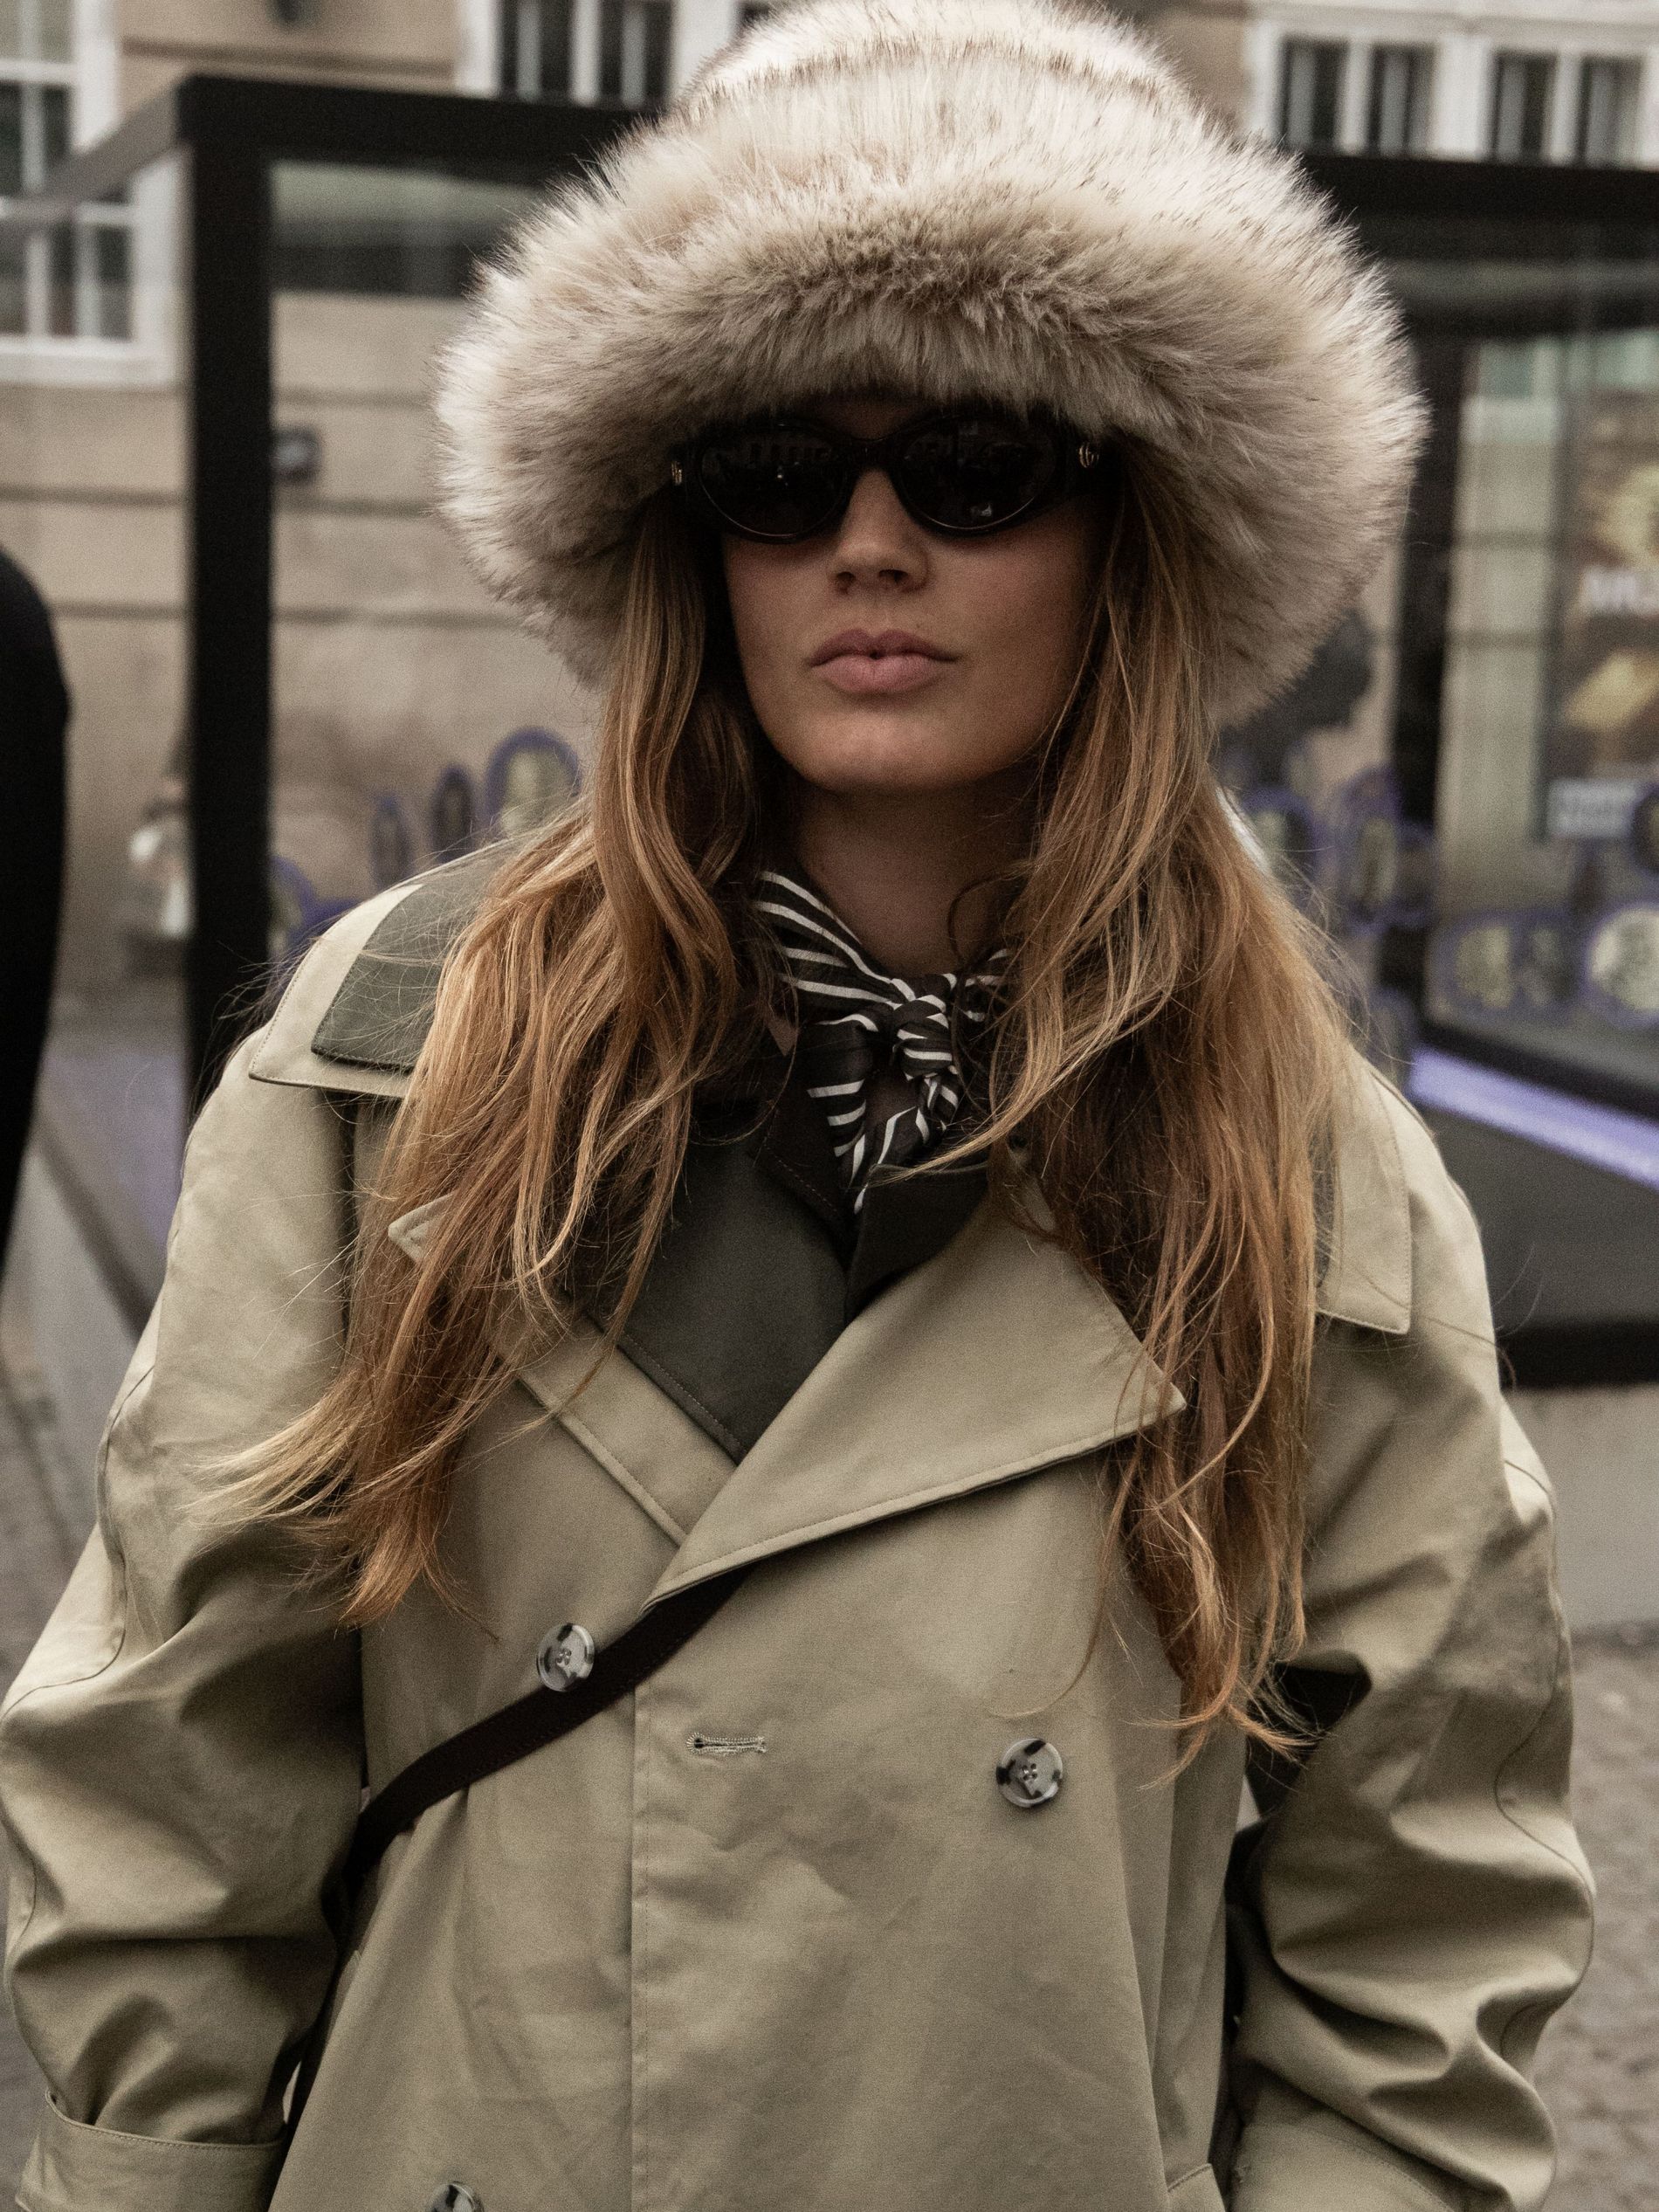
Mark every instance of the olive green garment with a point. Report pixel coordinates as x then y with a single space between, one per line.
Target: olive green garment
767 1936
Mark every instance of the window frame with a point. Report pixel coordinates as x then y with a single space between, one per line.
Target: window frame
1420 60
522 72
1316 49
1527 59
643 43
1630 69
42 344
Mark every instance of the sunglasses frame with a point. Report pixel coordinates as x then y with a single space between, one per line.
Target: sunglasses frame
1074 457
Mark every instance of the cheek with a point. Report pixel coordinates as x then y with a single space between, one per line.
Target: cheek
764 592
1027 608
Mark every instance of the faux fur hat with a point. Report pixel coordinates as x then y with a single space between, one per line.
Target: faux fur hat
1013 201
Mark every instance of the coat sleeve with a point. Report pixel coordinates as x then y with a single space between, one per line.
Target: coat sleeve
1414 1904
181 1757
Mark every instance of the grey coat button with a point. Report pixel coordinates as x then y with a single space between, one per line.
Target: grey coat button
1030 1773
454 2197
566 1656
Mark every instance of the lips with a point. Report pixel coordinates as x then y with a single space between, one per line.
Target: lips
884 644
863 661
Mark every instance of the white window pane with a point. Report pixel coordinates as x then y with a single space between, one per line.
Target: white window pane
1310 91
54 30
535 48
60 281
633 53
14 288
10 139
54 127
37 30
1398 118
1607 124
112 281
1523 86
633 49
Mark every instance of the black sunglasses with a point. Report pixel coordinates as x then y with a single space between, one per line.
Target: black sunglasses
963 472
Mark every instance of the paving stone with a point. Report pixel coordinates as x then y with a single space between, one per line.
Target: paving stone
1599 2061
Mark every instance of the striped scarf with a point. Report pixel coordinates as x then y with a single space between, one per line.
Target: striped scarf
855 1022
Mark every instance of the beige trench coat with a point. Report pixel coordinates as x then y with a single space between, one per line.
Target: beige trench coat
765 1937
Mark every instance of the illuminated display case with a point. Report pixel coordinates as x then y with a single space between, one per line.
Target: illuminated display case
1469 773
305 697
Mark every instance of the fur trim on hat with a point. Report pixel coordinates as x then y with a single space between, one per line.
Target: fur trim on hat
1008 200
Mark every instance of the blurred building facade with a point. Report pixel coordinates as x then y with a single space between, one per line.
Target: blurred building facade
1558 80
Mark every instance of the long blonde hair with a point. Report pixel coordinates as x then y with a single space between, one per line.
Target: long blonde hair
1166 1058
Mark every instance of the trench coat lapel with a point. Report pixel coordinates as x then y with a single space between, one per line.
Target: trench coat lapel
671 1467
995 1358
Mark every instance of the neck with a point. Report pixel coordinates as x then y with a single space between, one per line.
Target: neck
894 865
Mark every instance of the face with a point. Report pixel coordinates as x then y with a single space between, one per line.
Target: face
882 658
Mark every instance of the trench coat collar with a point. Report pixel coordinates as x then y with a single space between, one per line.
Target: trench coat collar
345 1026
993 1359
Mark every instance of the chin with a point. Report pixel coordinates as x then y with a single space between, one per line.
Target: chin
886 759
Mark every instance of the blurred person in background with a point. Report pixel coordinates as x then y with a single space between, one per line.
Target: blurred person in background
806 1373
34 712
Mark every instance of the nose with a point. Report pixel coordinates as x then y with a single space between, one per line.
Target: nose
877 543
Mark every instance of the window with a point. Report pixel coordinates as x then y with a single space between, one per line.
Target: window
535 48
1608 92
34 132
633 49
1523 91
73 281
548 49
1397 116
1310 92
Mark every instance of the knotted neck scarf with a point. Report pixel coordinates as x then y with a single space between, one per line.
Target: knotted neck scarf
859 1025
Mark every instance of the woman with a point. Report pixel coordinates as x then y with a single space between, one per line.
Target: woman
869 1236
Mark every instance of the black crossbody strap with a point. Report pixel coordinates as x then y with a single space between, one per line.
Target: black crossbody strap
502 1739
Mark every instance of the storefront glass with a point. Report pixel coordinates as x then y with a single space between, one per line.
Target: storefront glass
99 520
1514 865
1547 932
288 692
412 716
1465 787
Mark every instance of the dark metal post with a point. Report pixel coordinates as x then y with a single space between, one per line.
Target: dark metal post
229 591
1426 575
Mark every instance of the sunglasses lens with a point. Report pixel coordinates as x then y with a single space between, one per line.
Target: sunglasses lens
775 480
969 472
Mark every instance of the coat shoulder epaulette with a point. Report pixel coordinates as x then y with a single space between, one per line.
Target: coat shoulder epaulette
358 1010
1367 1275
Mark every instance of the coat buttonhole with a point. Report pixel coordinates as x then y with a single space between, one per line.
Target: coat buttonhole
724 1746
